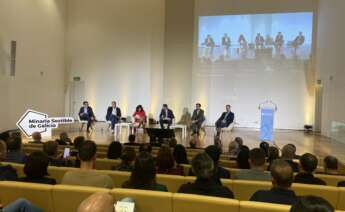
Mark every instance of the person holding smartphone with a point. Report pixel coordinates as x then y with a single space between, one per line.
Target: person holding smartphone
55 159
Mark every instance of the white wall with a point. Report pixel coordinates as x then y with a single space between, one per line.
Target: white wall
38 26
117 48
331 63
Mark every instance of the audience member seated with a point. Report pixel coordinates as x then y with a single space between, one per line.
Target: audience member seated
127 158
4 136
312 204
257 169
203 167
288 154
14 150
280 193
37 138
51 149
166 163
78 141
234 149
330 164
97 202
64 139
194 142
273 154
180 155
143 175
243 158
145 147
114 150
7 172
36 169
86 176
295 149
265 146
20 205
131 141
308 164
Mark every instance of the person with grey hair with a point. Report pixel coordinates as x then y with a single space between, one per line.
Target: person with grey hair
203 168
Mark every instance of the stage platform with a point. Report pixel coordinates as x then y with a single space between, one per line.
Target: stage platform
305 142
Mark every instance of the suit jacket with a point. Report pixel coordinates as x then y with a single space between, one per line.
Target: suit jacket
89 111
163 115
229 118
275 195
199 117
110 112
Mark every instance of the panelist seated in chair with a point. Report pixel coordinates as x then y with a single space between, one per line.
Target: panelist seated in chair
139 116
198 118
166 116
225 119
86 114
113 114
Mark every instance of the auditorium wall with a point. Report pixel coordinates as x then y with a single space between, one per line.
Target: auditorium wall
116 47
38 26
331 63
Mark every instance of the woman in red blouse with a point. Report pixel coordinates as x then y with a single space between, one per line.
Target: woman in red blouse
139 117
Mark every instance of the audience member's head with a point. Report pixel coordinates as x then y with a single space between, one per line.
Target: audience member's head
264 146
3 150
114 150
87 151
97 202
234 148
145 147
308 162
128 155
14 144
194 141
51 148
4 136
257 158
78 142
239 140
243 157
36 136
214 152
36 165
165 159
294 148
282 174
64 137
288 152
330 164
311 204
203 166
143 175
273 153
131 138
180 154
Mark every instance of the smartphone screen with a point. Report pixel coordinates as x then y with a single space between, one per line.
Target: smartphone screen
66 152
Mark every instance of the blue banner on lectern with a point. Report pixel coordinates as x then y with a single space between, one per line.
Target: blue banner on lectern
266 129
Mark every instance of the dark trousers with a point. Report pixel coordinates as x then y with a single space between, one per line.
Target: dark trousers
219 125
114 120
196 127
86 117
162 122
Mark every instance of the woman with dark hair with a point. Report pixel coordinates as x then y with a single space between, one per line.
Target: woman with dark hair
139 116
264 146
143 175
114 150
36 169
243 157
273 154
127 158
180 155
166 162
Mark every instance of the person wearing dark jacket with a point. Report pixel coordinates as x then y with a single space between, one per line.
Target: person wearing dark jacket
205 184
7 172
113 114
225 119
308 164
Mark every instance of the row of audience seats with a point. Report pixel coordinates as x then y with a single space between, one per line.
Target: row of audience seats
62 198
242 189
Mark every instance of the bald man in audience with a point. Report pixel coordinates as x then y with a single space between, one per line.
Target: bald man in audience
280 193
98 202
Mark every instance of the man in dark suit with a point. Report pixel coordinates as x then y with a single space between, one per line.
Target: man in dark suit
166 116
113 114
280 193
86 114
198 118
225 119
205 184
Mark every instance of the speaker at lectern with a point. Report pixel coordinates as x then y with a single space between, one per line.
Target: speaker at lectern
268 110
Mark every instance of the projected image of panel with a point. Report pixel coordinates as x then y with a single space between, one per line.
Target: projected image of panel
236 37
